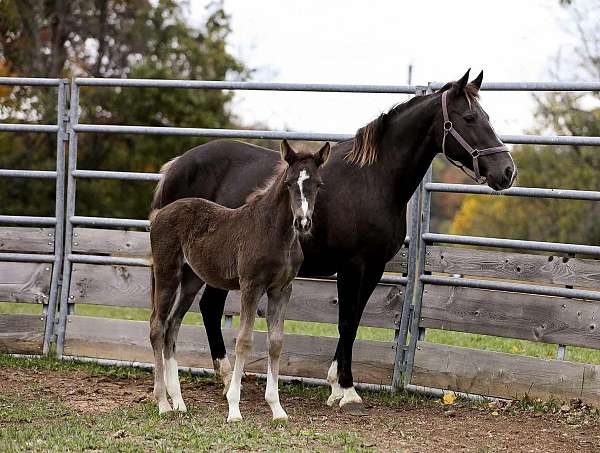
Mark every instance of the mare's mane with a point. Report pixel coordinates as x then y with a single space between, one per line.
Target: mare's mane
367 139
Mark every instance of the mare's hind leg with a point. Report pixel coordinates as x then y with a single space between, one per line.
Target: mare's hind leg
212 305
356 283
276 309
250 297
190 285
164 294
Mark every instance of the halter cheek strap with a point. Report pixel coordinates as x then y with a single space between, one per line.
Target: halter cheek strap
475 153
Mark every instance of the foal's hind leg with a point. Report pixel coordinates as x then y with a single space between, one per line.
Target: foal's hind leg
276 309
188 290
250 297
164 293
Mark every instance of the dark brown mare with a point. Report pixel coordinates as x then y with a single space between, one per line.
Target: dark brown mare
254 248
360 216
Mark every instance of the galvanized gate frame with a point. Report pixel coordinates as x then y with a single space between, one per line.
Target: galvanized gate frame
59 176
419 205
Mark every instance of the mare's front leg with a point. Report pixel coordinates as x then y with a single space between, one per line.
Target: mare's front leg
251 294
278 300
355 282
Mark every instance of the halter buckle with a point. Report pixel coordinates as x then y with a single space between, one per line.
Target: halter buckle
447 126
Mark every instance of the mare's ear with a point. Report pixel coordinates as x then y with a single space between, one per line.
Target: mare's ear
462 83
476 82
322 155
287 153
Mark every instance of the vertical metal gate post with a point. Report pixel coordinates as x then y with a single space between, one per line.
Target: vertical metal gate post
412 278
61 138
415 333
70 212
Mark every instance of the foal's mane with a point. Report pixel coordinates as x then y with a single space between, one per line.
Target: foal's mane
280 169
367 139
262 190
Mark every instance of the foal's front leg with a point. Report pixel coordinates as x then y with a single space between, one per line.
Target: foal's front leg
276 309
249 301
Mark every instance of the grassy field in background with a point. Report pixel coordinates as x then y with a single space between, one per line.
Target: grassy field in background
475 341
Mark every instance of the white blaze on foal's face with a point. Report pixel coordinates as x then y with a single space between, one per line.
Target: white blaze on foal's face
303 201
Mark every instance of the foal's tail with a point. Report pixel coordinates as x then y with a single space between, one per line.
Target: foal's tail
157 199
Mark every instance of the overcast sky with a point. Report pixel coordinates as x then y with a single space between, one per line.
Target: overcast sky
374 41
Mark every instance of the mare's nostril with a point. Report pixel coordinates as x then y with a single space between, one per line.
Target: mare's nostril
508 172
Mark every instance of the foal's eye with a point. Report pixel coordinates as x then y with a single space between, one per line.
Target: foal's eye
469 118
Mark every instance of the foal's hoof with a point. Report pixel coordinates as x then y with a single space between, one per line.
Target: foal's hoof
280 421
164 407
179 406
354 408
234 418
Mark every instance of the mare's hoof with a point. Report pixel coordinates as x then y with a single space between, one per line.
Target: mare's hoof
356 409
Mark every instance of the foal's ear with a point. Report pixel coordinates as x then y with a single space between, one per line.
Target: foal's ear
322 155
287 153
476 82
462 83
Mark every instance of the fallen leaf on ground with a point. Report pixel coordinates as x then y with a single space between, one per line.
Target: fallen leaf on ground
449 398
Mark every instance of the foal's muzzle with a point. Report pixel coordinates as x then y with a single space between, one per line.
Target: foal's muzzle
302 224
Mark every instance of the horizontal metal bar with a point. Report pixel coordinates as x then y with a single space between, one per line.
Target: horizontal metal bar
318 136
120 175
535 192
10 127
113 260
29 81
440 393
550 140
210 372
27 220
108 221
512 287
27 257
512 243
531 86
233 85
41 174
201 132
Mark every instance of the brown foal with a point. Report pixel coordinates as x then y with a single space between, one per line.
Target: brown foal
254 248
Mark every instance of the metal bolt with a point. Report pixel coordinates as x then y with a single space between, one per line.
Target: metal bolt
75 243
71 297
47 268
49 243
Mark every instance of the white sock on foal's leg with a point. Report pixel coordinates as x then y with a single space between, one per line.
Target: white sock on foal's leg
172 384
233 394
272 395
336 390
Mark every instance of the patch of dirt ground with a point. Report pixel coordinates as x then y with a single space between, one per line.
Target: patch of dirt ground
404 426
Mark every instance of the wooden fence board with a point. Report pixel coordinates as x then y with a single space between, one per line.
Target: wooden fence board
305 356
23 334
503 375
312 300
526 316
98 241
514 266
23 239
25 282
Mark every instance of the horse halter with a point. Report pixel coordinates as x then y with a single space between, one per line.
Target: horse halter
475 153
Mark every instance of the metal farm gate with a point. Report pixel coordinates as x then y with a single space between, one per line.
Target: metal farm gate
556 299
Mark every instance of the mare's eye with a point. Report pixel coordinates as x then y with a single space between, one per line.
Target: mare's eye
469 118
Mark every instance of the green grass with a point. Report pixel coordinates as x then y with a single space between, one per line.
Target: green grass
32 420
486 342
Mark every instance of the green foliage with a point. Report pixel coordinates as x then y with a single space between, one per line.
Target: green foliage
139 39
